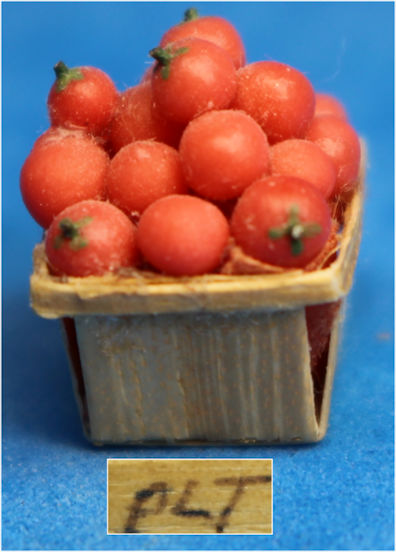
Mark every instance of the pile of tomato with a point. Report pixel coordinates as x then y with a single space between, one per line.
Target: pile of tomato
206 161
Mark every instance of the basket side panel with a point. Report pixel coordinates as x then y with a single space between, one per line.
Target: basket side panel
126 397
218 377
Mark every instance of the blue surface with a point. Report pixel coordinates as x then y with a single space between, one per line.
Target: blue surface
334 495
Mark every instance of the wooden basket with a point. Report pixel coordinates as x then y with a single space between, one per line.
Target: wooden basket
213 359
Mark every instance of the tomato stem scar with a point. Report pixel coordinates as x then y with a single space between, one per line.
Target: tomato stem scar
296 230
64 75
70 231
190 14
165 56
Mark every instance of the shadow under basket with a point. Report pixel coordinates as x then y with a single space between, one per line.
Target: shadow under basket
208 359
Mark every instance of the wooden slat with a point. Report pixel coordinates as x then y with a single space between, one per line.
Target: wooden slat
190 496
236 377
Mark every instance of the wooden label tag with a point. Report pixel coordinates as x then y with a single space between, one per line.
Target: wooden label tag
189 496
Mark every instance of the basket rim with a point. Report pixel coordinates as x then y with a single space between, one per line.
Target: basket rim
112 294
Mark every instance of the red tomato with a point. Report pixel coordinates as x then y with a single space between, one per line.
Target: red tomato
222 153
326 104
281 220
141 173
214 29
192 76
62 168
137 118
81 97
278 97
183 235
54 134
340 142
305 160
90 238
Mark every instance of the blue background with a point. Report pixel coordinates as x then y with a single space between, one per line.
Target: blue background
334 495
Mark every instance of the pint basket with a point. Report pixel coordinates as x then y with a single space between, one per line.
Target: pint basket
208 359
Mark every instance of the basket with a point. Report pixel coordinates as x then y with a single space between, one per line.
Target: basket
208 359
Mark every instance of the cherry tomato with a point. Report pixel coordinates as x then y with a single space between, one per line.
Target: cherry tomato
62 168
341 143
54 134
81 97
304 159
325 104
137 118
183 235
281 220
192 76
280 98
212 28
90 238
141 173
222 153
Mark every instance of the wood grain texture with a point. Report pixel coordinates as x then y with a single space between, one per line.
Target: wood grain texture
190 496
213 377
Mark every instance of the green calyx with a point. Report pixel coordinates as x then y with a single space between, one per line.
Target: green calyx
70 232
190 15
64 75
165 56
295 230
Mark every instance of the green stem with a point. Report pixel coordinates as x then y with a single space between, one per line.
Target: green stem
70 232
162 55
295 230
64 75
190 14
165 56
